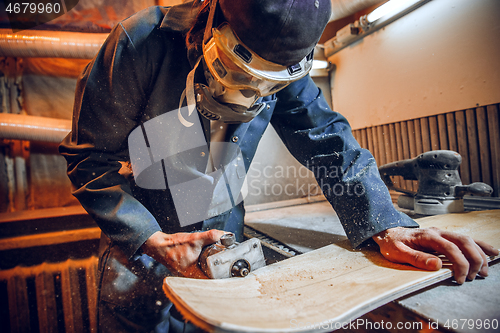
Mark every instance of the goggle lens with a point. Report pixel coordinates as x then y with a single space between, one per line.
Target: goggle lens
236 67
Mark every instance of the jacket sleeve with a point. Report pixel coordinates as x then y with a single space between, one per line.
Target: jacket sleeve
322 141
109 97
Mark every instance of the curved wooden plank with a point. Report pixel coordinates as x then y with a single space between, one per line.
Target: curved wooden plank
317 291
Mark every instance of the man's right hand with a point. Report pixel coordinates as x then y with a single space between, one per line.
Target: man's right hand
179 252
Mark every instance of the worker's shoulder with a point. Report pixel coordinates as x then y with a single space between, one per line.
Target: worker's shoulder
148 17
144 25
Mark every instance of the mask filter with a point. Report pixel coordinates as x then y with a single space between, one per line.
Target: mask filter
228 113
237 99
201 97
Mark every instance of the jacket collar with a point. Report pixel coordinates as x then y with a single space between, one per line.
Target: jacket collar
179 18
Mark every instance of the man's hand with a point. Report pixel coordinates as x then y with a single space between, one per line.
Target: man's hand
179 252
406 245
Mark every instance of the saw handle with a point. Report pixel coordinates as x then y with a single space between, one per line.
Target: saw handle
480 189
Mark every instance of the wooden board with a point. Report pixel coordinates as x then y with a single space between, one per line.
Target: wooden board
318 291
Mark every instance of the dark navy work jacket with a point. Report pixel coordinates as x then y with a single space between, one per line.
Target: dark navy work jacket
139 74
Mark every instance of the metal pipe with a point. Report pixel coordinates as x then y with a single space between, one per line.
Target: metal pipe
343 8
23 127
366 28
61 44
56 44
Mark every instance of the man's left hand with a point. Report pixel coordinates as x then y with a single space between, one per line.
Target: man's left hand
408 245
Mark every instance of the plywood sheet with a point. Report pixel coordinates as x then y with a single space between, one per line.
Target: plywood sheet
317 291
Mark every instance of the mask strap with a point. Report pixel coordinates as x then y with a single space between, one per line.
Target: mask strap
210 22
189 95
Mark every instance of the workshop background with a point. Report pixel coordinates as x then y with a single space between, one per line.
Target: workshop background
427 80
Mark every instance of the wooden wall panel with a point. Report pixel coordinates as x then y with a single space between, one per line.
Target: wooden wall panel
46 299
405 142
434 133
376 149
426 136
19 309
473 133
369 145
452 131
472 140
494 136
397 150
463 148
36 310
364 140
483 145
381 146
418 137
442 132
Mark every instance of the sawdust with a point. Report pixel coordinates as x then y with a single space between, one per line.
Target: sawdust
287 284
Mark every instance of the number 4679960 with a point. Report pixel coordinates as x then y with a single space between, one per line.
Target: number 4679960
33 8
471 324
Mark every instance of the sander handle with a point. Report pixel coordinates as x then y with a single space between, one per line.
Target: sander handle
480 189
404 168
410 169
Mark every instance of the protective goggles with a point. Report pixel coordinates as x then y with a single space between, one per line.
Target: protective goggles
236 67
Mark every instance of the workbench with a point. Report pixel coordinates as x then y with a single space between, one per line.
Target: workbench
310 223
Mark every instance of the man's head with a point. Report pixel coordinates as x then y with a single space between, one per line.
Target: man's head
255 49
280 31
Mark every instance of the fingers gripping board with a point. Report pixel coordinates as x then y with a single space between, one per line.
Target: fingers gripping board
333 284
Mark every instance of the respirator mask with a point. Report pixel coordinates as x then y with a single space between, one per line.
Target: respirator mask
236 76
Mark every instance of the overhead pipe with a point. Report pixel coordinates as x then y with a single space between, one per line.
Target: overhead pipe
343 8
62 44
50 44
32 128
367 24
